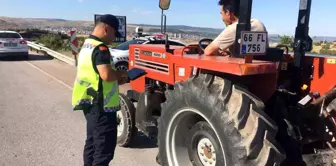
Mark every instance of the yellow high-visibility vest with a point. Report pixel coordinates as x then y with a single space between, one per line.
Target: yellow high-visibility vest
87 78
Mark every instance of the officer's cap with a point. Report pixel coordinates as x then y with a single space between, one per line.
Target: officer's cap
110 20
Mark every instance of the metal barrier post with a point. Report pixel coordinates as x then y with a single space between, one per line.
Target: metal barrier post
74 45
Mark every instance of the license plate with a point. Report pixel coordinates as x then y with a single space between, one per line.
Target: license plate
253 43
10 44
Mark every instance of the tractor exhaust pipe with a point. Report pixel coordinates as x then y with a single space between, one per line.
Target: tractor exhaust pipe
164 5
162 21
164 30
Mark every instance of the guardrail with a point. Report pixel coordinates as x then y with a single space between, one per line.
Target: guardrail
52 53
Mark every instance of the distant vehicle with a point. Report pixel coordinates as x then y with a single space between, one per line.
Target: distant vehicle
13 44
120 53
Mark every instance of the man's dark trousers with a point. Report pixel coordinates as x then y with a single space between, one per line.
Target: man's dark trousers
101 136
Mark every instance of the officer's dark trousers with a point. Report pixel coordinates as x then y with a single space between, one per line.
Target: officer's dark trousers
101 136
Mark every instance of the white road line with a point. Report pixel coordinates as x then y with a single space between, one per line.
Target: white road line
49 75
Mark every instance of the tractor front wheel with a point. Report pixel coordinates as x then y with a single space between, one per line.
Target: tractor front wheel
215 123
126 117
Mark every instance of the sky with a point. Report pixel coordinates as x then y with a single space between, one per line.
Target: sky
279 16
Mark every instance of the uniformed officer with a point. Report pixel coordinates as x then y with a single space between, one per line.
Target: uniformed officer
96 92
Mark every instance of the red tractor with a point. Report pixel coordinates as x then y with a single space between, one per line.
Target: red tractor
265 107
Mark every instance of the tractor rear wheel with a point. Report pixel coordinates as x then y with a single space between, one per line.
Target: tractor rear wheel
126 117
215 123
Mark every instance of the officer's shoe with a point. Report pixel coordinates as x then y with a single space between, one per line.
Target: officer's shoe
158 160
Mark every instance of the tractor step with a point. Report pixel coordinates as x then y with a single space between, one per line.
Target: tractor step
149 129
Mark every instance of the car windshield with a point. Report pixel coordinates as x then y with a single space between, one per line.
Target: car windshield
9 35
125 45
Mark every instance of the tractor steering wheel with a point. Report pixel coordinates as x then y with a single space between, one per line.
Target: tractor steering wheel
204 40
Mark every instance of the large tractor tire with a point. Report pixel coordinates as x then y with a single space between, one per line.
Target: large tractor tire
208 122
126 117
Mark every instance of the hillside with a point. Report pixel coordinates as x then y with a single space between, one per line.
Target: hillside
85 27
41 22
22 23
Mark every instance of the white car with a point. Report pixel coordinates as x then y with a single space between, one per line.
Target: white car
12 44
120 53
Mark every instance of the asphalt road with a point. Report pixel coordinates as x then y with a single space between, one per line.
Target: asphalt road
37 126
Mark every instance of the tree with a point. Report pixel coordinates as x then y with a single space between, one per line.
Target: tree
326 46
52 41
317 43
328 52
286 40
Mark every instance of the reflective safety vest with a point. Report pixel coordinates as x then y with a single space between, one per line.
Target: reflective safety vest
87 82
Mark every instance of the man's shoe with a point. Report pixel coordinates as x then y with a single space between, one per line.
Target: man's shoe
158 160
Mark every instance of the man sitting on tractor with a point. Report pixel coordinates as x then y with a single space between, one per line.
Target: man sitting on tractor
224 43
